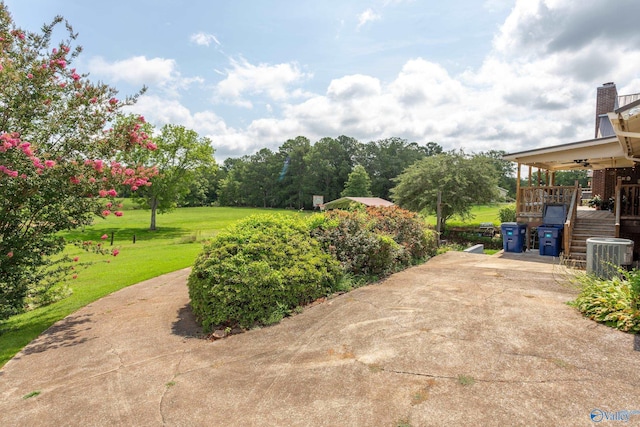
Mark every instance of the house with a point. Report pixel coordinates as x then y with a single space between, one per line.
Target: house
346 202
613 156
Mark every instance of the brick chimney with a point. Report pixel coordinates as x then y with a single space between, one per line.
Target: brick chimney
606 101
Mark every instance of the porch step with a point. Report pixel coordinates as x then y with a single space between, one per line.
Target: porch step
586 227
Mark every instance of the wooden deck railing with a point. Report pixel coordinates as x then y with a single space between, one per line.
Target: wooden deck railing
532 199
571 220
627 200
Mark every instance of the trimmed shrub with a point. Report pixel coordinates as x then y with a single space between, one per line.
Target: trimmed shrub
375 241
258 271
507 214
407 229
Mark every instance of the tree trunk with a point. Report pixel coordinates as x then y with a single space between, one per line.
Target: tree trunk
439 219
154 207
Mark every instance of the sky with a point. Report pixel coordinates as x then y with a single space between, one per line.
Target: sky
476 75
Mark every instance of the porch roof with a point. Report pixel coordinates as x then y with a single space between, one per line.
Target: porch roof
597 153
626 125
617 151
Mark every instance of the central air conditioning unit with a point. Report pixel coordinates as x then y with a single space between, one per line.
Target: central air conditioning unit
606 254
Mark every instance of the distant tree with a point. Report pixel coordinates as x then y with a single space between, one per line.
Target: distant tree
294 168
506 170
260 182
463 181
329 164
181 152
432 148
386 159
358 184
569 178
203 188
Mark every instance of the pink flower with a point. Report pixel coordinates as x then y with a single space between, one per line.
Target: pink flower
26 149
75 276
103 193
10 254
106 212
104 237
115 252
75 259
75 76
112 193
109 205
117 213
93 100
49 163
98 165
29 76
74 180
113 101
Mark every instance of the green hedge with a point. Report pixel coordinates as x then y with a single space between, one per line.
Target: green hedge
259 270
376 241
264 267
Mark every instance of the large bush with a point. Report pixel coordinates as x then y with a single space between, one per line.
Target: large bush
375 241
258 271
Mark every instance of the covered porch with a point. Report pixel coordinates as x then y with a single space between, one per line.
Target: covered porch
617 157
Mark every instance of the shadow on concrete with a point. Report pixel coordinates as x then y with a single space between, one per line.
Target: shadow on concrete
65 333
186 325
528 256
636 342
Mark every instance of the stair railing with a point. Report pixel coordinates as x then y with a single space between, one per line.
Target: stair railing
617 205
571 220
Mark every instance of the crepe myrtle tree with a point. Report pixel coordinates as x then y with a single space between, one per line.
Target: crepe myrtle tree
57 156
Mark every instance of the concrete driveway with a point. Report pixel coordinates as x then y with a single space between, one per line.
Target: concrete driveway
462 340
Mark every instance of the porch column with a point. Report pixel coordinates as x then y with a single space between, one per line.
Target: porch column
518 192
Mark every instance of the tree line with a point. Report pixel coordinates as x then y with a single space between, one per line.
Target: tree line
290 176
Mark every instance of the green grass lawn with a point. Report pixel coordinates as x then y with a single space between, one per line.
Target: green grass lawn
481 213
173 246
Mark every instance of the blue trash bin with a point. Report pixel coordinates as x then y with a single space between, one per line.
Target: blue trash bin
550 239
513 236
550 232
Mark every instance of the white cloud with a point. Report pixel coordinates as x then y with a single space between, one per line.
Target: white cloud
226 140
204 39
156 73
274 81
352 87
367 16
136 70
536 87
